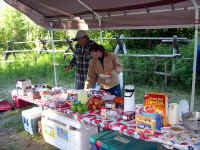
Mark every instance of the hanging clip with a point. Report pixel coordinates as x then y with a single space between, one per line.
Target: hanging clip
125 13
172 6
148 10
108 15
51 24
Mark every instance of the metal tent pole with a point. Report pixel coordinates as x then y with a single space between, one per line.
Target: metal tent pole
101 38
195 54
54 56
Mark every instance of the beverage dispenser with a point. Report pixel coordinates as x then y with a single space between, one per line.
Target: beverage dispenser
129 98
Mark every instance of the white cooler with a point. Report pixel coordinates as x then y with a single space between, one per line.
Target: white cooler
65 133
30 118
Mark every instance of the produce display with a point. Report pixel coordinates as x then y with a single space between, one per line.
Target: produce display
78 107
118 100
83 97
107 73
95 103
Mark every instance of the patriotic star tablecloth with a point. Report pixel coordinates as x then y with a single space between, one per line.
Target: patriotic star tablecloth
182 139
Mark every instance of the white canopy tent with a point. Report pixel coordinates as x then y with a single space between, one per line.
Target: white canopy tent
113 14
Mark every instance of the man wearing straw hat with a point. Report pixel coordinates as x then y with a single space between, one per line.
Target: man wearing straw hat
81 58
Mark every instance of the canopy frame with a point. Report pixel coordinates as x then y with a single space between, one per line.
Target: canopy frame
195 55
65 18
53 54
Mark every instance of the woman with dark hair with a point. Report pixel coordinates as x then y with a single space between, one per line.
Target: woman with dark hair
104 69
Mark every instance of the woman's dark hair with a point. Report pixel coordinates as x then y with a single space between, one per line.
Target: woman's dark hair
96 47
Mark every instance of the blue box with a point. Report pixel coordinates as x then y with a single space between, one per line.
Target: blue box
157 117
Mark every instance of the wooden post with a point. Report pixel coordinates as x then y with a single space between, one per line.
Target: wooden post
156 65
174 65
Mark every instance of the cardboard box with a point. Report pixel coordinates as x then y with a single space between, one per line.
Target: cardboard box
148 122
157 103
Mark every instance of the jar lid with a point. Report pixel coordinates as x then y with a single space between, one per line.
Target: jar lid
129 87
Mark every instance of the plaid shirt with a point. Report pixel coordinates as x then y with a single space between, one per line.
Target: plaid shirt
81 58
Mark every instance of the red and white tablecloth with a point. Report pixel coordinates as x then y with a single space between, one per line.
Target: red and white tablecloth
183 140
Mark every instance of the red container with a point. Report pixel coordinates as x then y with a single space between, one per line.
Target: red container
19 103
5 105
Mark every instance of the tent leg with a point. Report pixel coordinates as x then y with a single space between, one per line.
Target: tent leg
101 38
54 56
100 29
195 55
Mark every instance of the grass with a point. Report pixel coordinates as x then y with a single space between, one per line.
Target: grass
13 121
15 138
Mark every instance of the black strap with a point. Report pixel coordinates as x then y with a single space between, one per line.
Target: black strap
127 90
132 91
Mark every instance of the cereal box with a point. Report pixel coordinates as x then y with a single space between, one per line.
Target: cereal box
157 103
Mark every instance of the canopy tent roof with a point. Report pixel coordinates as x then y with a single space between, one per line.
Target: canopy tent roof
112 14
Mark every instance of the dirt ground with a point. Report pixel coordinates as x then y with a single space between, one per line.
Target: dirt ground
11 140
13 137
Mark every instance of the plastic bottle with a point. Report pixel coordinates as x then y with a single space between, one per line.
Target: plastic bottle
183 108
173 115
